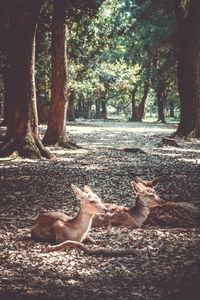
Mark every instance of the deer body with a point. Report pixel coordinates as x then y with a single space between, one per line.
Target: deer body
171 214
55 226
132 217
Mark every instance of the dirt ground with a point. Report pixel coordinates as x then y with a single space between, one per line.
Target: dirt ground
166 263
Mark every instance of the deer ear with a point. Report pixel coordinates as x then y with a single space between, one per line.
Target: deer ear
87 189
77 191
155 182
135 186
140 180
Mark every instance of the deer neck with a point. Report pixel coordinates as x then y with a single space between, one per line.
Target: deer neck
140 210
82 223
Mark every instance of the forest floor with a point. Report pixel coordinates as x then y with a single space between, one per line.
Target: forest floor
167 261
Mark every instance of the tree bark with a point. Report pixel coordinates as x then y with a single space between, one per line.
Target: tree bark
188 18
104 110
133 105
161 105
171 109
5 99
97 108
70 108
22 124
56 131
140 108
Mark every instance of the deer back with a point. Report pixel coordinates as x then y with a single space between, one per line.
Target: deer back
173 214
44 227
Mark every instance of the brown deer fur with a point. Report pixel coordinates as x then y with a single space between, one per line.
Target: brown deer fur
172 214
132 217
57 227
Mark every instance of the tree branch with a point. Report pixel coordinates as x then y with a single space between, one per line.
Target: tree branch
99 251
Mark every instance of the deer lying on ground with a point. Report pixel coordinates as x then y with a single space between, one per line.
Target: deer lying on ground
172 214
57 227
132 217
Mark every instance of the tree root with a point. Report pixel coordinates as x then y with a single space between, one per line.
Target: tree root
169 142
27 148
96 252
61 141
192 134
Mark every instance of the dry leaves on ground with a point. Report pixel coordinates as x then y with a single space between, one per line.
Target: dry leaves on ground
166 263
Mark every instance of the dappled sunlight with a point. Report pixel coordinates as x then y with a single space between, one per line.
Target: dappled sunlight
179 155
30 187
141 128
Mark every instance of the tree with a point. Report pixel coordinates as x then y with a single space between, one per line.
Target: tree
188 19
70 107
22 125
4 58
56 131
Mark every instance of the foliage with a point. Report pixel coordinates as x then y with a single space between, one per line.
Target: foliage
113 47
104 51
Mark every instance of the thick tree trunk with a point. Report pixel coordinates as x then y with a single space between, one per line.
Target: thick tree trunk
188 18
56 132
140 108
70 107
5 100
5 52
133 105
22 124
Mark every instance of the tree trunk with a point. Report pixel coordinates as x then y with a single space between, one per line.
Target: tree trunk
22 124
134 112
70 107
140 108
171 109
97 108
161 105
187 15
56 132
5 52
5 100
104 110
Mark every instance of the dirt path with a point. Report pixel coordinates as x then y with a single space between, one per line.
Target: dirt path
167 264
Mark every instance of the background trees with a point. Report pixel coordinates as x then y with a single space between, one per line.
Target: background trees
122 59
140 33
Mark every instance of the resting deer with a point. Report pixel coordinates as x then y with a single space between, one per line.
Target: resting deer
172 214
57 227
132 217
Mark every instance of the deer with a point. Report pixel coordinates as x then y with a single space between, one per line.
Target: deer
171 214
57 227
132 217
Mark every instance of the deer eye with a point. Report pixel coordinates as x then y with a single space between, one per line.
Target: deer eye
150 194
92 202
